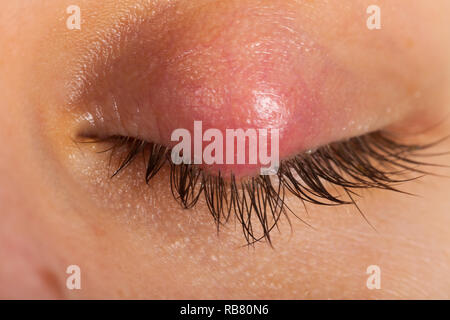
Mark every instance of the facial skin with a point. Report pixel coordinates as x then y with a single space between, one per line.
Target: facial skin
59 207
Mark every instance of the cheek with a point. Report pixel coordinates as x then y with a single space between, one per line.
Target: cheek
28 268
25 274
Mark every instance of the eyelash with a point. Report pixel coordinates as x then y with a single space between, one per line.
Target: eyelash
370 161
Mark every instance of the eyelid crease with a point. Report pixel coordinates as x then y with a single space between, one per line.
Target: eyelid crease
374 160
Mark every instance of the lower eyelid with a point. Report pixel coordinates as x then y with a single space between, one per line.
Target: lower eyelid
369 161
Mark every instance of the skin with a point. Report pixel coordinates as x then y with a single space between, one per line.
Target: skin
59 206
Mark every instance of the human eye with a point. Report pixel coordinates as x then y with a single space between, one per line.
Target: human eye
224 149
145 80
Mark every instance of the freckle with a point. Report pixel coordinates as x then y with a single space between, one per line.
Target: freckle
52 282
121 294
412 89
409 43
98 231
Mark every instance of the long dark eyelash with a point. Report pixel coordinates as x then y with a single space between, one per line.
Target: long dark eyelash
371 161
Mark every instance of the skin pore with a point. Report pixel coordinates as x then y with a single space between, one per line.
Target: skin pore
59 206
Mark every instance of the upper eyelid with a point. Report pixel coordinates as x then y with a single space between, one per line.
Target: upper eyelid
117 78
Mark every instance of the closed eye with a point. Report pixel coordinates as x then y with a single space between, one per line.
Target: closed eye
331 175
152 74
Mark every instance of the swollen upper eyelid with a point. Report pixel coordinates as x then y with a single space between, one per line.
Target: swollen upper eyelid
154 74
